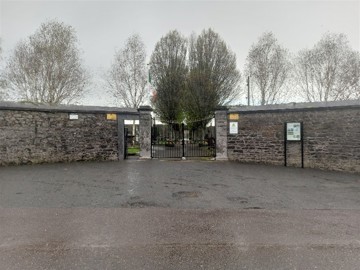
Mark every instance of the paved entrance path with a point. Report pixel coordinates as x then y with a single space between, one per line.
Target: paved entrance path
177 184
177 215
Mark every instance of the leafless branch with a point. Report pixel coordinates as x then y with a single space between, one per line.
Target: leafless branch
127 77
47 67
329 71
269 67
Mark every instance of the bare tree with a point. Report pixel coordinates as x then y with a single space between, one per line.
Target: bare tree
329 71
3 94
169 70
269 68
213 76
2 81
46 68
127 77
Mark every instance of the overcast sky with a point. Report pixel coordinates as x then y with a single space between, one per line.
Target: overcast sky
103 26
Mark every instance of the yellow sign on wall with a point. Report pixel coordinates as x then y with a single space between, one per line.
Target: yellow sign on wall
233 116
110 116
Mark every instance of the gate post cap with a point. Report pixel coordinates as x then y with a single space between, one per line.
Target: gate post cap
145 109
221 108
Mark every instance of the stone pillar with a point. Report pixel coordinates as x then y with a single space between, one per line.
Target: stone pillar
221 127
145 131
121 142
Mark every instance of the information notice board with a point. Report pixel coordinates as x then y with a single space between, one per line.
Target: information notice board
293 132
233 127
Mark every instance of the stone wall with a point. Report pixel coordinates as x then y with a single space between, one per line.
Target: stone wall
38 134
331 135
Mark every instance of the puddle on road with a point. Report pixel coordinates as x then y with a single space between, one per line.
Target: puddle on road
220 185
186 194
243 201
238 199
140 204
137 202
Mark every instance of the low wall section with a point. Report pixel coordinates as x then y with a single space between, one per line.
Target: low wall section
331 135
37 134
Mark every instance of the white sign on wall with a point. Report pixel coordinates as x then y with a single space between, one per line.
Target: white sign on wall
73 116
233 129
293 131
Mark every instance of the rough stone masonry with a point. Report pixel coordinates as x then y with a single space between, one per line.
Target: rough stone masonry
331 135
37 134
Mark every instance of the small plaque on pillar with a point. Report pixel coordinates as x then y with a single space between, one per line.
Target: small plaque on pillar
73 116
233 116
111 116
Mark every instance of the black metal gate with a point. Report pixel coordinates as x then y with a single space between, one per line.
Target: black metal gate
177 140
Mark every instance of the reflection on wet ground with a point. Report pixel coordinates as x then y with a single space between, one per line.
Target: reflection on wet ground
177 215
177 184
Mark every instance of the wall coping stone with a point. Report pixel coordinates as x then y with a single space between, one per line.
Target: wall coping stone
221 108
306 106
145 109
18 106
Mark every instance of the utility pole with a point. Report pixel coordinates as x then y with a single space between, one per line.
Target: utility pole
248 86
149 75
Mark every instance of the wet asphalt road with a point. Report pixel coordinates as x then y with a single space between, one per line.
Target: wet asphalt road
177 215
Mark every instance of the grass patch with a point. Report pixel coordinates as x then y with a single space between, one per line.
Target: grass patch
133 150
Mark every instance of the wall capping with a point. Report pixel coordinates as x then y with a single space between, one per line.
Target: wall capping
221 108
308 106
17 106
145 109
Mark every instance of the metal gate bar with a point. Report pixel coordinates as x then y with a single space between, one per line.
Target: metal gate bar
169 141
